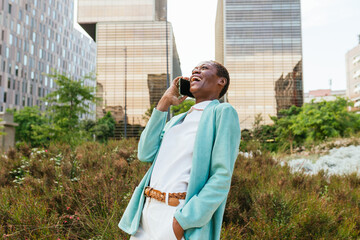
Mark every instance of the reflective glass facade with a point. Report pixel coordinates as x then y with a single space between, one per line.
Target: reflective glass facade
353 74
260 44
131 55
36 37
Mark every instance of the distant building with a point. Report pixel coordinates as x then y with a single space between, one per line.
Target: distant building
260 43
353 74
36 37
134 54
287 91
323 95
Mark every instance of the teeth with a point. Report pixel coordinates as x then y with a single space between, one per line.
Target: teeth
195 79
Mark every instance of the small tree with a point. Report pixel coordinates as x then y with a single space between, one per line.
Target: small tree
71 99
326 119
314 122
286 134
28 119
104 128
182 107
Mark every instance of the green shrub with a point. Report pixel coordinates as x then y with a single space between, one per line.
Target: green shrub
82 192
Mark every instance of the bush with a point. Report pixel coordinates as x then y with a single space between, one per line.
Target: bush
63 192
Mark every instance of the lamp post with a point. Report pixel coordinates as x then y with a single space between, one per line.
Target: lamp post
167 58
125 117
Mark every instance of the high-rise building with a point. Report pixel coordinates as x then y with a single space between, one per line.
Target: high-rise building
136 54
353 74
37 37
260 44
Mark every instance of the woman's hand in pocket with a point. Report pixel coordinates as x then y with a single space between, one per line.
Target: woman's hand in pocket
178 231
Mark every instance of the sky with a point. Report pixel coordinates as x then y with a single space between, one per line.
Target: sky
330 28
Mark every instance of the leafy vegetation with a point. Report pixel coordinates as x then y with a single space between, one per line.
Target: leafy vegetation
182 107
61 121
65 106
81 193
27 118
306 126
78 189
102 129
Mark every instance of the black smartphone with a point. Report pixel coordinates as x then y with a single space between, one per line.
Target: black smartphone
184 88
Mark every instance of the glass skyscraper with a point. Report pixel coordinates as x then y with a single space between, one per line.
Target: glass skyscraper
36 37
259 41
135 51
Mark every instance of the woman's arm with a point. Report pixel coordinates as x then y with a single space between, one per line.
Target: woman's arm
151 137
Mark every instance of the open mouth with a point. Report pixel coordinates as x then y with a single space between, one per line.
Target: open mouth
197 79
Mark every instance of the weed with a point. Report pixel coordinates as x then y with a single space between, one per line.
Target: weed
81 193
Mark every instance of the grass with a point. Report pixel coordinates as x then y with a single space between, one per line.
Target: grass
64 193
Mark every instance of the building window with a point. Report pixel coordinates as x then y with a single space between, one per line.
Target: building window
5 97
9 8
9 83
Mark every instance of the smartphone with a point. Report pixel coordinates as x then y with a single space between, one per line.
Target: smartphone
184 88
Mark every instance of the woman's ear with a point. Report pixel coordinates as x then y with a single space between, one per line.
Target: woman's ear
222 81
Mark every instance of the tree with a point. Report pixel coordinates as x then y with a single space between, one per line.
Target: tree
28 119
314 122
326 119
286 134
104 128
66 104
182 107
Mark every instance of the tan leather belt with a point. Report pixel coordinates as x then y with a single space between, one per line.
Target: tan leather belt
173 199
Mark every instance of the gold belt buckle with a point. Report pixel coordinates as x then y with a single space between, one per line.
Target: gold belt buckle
173 202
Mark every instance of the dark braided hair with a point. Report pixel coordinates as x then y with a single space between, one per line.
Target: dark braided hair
222 72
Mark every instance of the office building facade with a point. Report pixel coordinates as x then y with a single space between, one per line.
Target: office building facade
260 44
136 54
353 75
37 37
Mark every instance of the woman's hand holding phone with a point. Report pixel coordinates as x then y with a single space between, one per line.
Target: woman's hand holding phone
184 88
171 96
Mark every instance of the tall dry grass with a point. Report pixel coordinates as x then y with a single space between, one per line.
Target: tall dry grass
64 193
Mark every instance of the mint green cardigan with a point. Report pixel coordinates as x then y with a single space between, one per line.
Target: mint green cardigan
215 151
